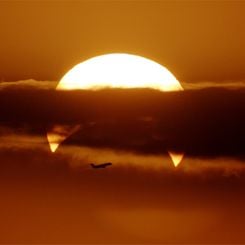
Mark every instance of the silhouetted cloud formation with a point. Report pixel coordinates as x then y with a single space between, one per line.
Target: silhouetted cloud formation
206 122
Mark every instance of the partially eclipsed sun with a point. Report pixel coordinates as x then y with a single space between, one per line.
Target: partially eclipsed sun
119 71
115 71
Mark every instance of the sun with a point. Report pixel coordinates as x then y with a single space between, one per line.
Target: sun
117 70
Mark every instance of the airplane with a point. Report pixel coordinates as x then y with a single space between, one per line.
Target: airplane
102 165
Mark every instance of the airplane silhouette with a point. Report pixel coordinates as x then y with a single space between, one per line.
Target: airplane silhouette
102 165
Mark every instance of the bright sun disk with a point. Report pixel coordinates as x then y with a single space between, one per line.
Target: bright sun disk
119 71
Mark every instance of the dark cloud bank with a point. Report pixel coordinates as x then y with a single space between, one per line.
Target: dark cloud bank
57 198
207 122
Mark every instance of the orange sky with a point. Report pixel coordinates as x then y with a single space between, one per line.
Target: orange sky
142 197
45 200
202 40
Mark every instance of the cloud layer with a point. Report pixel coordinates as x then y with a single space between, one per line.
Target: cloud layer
207 122
46 198
141 198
